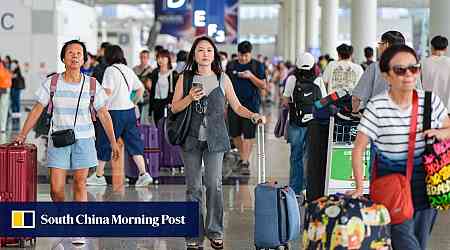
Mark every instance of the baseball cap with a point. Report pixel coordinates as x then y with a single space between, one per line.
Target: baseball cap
305 61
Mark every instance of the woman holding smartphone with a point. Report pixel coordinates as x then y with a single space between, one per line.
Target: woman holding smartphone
207 138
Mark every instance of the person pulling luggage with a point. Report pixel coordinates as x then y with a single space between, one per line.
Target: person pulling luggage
207 138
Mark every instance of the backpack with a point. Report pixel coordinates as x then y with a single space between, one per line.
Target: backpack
42 126
305 93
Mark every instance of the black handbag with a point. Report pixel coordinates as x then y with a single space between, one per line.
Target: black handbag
63 138
177 125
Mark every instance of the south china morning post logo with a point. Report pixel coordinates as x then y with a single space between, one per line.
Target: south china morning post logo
23 219
102 219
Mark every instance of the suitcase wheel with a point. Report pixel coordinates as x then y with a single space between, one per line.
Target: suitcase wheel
155 181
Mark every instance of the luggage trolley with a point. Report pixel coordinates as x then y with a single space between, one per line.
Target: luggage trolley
339 174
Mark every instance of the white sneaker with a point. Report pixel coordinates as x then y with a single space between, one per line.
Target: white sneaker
79 241
144 180
93 180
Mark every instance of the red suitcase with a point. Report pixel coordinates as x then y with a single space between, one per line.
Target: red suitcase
18 180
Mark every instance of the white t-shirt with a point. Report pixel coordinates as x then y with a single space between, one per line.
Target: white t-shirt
162 86
436 77
65 104
114 80
343 74
290 85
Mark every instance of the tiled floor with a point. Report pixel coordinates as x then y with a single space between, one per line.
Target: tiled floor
238 199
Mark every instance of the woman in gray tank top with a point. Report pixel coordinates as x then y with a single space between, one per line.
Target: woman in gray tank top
207 138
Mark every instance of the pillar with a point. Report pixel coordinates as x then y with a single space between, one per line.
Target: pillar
329 27
312 25
364 27
301 26
439 18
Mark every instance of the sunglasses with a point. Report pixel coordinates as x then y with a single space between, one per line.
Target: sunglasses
401 70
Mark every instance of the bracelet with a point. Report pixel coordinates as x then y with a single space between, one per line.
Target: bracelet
253 118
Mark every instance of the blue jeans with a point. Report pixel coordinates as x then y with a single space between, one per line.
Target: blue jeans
297 139
413 234
15 100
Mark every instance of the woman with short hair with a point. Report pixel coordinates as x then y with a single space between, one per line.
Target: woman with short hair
71 110
385 124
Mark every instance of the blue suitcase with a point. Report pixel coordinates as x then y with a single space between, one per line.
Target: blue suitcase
277 216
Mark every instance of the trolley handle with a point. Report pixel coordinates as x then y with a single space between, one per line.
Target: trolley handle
261 157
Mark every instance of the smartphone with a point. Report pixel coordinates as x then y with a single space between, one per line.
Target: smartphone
197 85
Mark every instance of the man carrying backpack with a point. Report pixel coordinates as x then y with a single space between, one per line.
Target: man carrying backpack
302 89
248 78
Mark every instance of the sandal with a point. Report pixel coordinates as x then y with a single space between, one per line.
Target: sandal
192 246
216 243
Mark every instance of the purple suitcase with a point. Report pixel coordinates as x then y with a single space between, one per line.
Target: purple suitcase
150 136
170 154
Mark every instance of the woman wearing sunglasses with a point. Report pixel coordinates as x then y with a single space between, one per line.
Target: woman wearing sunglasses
207 139
385 124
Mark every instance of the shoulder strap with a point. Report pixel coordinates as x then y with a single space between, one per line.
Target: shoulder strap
254 66
53 84
92 91
427 120
188 77
412 136
79 98
126 82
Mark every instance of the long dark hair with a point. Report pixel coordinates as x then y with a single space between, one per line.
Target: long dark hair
114 54
191 64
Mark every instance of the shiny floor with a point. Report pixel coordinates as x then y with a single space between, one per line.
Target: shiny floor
238 200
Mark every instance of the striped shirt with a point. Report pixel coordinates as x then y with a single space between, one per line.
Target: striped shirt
65 105
387 126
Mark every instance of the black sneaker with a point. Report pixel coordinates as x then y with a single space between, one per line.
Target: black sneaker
244 166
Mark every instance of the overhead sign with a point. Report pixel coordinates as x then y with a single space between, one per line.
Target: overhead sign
210 14
7 21
186 19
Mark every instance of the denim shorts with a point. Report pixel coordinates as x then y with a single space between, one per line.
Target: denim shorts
80 155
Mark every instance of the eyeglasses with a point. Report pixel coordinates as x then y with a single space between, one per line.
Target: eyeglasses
400 70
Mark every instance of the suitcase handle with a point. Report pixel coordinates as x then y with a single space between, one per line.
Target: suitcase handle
261 153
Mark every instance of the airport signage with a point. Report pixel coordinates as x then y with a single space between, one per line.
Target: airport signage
7 21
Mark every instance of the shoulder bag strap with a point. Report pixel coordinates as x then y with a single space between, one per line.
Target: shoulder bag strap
92 91
53 85
412 136
427 121
126 82
78 103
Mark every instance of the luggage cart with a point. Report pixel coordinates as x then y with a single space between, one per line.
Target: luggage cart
339 174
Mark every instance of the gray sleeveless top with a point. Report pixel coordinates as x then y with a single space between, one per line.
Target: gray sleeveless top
209 127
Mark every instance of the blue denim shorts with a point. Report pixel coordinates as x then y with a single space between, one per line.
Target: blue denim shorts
80 155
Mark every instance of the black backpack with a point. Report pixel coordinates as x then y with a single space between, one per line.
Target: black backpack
305 93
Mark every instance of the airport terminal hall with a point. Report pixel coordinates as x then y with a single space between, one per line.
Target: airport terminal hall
225 124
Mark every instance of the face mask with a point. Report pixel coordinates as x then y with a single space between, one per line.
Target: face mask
13 66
